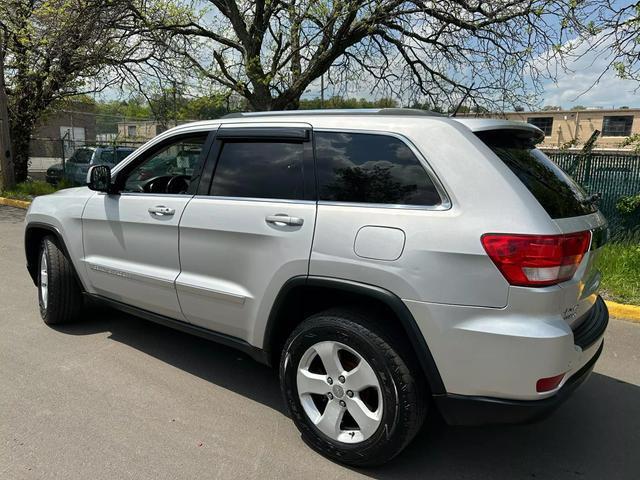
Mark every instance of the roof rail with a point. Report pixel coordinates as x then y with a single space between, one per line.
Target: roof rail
340 111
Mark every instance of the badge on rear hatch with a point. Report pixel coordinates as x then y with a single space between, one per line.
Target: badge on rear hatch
570 312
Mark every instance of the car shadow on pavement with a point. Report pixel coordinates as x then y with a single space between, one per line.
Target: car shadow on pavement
215 363
594 435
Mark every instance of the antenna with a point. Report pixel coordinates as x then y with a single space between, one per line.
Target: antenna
464 97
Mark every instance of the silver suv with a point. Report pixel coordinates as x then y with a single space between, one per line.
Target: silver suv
389 261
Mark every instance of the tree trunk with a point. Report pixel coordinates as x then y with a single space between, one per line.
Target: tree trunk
20 142
286 101
7 177
260 102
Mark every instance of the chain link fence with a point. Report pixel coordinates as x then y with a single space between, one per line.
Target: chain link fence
63 159
611 174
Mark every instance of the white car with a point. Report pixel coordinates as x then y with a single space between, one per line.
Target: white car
388 261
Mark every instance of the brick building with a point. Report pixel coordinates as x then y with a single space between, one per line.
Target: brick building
563 126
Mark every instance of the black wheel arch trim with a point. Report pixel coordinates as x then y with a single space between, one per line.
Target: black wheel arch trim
397 306
53 230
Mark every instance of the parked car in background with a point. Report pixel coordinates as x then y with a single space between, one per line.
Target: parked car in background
76 167
54 174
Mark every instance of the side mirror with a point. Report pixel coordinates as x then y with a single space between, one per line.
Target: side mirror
99 179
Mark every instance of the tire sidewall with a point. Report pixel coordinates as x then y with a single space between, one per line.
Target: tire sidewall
44 248
329 329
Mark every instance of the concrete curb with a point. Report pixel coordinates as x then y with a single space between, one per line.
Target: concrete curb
624 312
10 202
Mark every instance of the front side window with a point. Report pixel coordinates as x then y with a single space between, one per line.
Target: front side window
260 169
168 169
617 126
543 123
369 168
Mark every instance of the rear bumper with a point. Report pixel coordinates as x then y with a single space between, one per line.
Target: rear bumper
470 410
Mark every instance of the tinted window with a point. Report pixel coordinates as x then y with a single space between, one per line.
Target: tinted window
618 126
558 194
81 156
543 123
365 168
259 170
107 155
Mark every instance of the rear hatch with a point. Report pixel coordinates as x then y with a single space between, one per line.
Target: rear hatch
570 208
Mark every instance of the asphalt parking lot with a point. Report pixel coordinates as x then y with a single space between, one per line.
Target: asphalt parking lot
115 397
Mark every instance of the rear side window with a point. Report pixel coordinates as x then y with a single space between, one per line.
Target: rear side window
558 194
369 168
260 170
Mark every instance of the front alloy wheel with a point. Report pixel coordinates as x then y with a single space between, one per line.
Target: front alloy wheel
44 281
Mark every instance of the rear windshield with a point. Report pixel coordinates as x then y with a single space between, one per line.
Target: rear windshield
558 194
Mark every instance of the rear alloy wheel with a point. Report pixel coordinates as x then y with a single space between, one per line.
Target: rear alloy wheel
349 390
352 395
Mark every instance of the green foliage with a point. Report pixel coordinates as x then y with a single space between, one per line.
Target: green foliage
628 205
33 188
341 102
160 107
112 112
57 49
204 108
620 267
633 141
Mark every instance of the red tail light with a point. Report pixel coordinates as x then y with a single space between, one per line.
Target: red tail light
537 260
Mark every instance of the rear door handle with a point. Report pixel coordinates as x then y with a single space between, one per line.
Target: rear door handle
281 219
161 211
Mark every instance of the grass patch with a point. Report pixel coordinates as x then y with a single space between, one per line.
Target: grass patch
620 266
33 188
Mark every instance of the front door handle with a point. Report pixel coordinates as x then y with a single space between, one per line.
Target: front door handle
161 211
282 219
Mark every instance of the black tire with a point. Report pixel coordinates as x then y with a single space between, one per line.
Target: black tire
402 385
64 297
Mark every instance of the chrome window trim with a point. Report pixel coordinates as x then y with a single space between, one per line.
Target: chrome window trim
151 194
399 206
445 200
256 199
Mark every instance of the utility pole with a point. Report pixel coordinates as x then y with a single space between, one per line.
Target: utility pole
7 178
175 104
322 91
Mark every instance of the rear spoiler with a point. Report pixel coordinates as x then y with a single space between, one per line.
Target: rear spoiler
526 130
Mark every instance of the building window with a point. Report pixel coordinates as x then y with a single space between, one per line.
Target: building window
132 131
543 123
618 126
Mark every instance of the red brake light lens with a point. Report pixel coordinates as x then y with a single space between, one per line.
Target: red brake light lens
537 260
